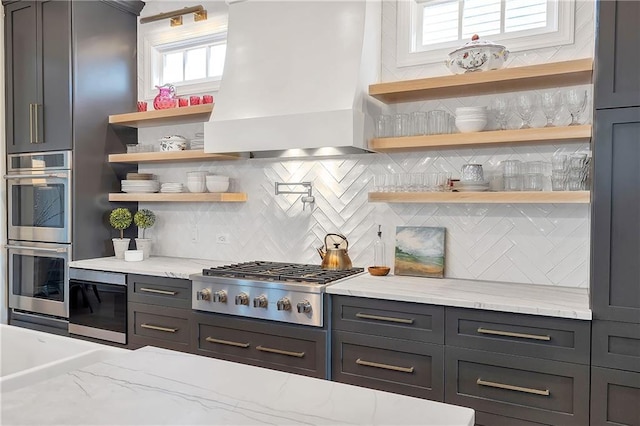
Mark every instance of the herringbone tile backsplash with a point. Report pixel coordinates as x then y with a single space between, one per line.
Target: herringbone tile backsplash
544 244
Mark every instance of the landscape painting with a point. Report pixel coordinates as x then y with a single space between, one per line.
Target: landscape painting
419 251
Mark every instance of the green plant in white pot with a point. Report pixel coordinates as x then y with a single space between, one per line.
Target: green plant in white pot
120 219
144 219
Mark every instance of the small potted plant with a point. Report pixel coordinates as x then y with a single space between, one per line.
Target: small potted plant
120 219
144 219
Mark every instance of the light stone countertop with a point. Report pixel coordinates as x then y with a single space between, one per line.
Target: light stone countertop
159 266
156 386
563 302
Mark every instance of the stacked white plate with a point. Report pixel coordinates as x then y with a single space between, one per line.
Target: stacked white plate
171 187
140 186
465 186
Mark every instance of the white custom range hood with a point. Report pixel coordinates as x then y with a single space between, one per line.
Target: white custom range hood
296 77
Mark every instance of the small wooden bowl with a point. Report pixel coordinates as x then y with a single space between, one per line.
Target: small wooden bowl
379 271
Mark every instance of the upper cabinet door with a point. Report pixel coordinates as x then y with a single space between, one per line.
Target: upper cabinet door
38 73
615 220
617 79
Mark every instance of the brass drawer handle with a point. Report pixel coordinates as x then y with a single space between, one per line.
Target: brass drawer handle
158 328
280 351
384 366
389 319
512 334
227 342
512 387
35 108
153 290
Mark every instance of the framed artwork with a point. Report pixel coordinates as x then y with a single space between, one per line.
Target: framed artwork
419 251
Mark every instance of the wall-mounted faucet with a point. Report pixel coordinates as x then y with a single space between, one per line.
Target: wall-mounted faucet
308 192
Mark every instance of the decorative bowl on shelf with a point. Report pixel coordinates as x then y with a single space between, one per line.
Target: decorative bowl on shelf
477 55
173 143
379 271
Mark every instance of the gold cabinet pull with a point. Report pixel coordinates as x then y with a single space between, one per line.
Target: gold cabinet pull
512 387
158 328
384 366
280 351
512 334
153 290
31 123
380 318
227 342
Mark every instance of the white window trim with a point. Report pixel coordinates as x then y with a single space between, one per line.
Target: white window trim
405 56
156 39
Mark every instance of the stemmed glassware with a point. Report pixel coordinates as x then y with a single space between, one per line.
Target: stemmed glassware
500 107
525 108
576 101
550 105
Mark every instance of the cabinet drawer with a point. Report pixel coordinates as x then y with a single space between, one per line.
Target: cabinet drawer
405 367
616 345
517 334
615 397
171 292
537 390
297 349
158 326
488 419
400 320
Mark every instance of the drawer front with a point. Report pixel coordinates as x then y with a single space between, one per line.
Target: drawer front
158 326
171 292
517 334
616 345
488 419
405 367
531 389
615 397
400 320
291 349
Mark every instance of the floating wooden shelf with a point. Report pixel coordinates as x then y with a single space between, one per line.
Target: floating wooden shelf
170 157
205 197
538 197
495 137
555 74
163 117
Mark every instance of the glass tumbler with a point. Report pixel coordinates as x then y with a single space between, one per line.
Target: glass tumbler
418 123
512 175
400 125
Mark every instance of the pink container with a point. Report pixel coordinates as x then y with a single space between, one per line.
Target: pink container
183 102
194 100
207 99
142 106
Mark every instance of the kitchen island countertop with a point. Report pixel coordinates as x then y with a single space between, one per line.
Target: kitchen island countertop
158 386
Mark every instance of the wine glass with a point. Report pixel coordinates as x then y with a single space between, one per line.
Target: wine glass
525 108
576 101
550 104
500 107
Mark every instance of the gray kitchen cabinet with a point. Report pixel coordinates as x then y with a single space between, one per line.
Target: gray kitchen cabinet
488 419
615 219
536 390
159 312
615 397
616 68
291 348
616 345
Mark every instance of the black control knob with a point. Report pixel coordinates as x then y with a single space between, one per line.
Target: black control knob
242 299
304 307
220 296
260 301
284 304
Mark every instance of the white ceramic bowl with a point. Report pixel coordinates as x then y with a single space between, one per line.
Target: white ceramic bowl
217 178
461 110
196 186
468 126
173 143
477 55
133 255
217 186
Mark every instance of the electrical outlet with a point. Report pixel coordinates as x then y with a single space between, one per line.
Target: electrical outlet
222 238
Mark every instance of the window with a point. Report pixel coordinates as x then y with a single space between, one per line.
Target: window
429 29
193 63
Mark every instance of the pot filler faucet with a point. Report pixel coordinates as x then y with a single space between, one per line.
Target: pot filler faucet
308 192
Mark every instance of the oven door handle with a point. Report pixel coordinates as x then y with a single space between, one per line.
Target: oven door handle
48 175
50 250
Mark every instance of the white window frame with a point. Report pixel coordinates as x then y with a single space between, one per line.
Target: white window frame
158 39
408 25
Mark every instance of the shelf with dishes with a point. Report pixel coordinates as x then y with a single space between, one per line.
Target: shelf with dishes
185 197
163 117
531 77
515 197
170 157
581 133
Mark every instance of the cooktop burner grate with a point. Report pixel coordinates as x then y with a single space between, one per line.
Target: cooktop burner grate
277 271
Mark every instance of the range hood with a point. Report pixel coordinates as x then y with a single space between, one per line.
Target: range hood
296 77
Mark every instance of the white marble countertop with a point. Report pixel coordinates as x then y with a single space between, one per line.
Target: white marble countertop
159 266
564 302
155 386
